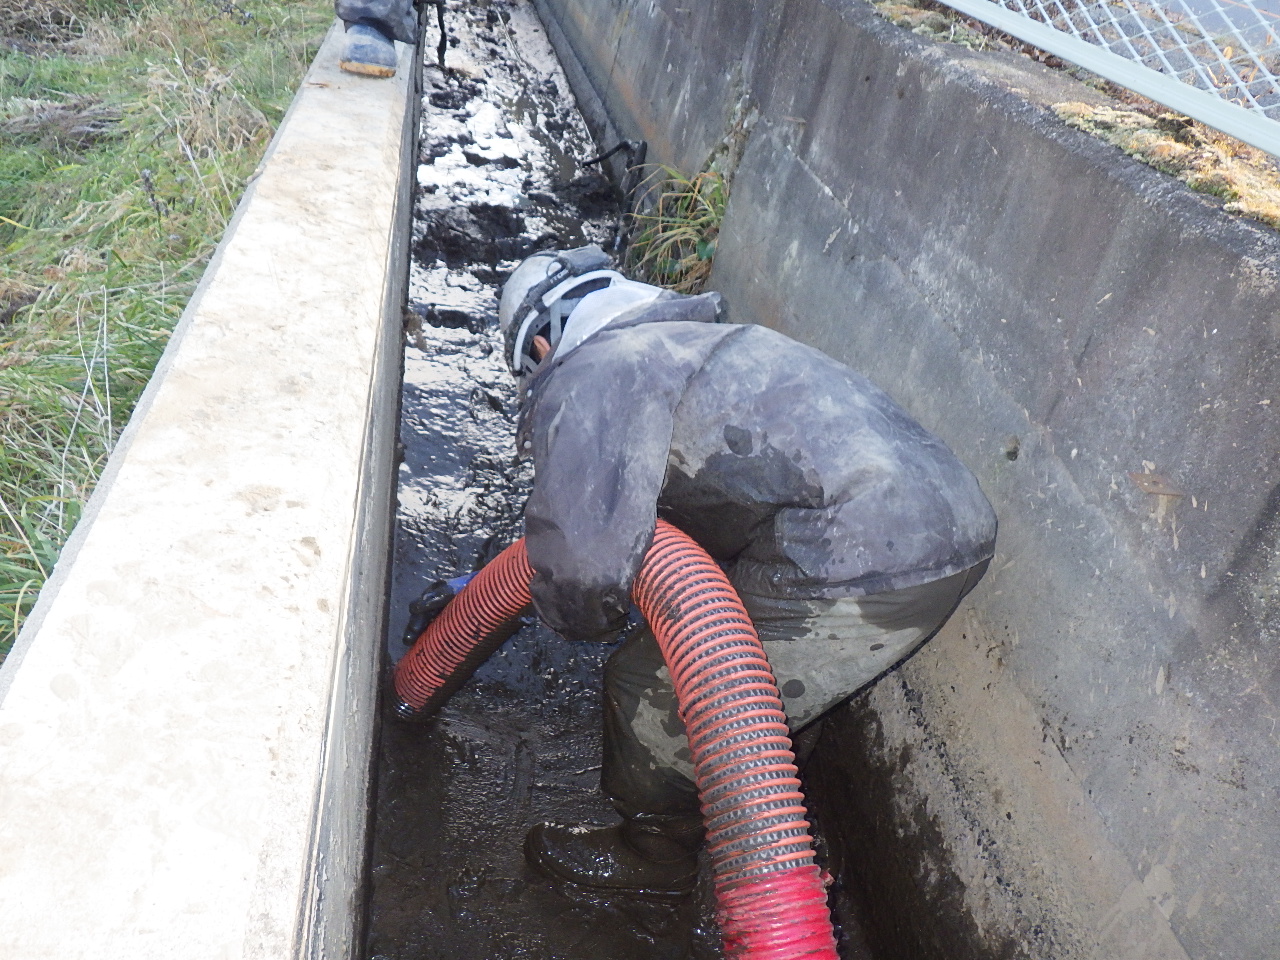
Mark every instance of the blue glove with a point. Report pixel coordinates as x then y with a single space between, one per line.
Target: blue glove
635 624
430 605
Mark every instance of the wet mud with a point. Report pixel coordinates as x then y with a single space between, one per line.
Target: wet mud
498 178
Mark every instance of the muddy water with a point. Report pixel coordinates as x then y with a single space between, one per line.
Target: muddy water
498 178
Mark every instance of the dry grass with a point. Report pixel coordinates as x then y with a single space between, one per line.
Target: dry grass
936 21
125 142
932 22
41 21
58 125
1205 160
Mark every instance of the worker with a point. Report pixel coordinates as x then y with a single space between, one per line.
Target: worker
848 530
371 26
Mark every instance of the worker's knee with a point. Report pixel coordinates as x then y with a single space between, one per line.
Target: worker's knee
642 718
635 669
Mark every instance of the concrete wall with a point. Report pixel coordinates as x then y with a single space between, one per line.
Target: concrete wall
186 720
1085 763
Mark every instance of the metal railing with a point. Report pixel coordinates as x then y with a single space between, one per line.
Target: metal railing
1215 60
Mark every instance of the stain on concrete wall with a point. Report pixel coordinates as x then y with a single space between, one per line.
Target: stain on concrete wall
913 904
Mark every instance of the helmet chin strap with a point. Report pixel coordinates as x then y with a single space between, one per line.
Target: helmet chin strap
522 361
557 317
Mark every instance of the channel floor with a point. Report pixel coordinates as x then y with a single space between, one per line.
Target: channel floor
499 176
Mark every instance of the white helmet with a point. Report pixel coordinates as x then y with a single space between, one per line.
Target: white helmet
540 294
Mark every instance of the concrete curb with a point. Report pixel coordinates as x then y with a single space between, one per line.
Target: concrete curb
186 720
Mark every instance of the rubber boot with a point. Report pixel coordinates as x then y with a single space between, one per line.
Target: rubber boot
366 51
649 857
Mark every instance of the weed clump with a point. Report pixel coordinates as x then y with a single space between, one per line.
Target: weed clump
936 21
128 129
39 20
929 20
57 126
674 235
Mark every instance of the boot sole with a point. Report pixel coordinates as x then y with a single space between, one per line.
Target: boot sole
566 885
367 69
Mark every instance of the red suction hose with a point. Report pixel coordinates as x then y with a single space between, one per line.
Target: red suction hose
483 616
772 904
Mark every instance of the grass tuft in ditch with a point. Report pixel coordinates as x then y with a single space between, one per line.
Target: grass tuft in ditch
674 235
128 130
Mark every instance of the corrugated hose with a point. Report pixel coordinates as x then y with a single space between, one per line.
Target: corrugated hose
771 900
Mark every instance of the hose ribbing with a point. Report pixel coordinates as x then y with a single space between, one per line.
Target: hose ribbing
480 619
771 899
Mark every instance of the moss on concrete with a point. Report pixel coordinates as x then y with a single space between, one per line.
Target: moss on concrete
1203 159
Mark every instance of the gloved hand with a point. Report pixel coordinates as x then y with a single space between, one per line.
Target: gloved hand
635 625
429 606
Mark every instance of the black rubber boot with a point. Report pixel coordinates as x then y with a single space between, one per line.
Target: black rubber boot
651 858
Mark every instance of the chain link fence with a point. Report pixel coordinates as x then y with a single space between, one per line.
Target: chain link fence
1214 60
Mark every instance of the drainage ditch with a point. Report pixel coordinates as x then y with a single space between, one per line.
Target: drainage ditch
499 177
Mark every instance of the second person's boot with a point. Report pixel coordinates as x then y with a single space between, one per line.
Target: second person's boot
365 50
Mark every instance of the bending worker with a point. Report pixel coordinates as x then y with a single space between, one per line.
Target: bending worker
849 531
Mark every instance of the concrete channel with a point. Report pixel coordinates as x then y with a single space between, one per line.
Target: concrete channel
499 176
1082 766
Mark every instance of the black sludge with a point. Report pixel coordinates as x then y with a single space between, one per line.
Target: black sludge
520 742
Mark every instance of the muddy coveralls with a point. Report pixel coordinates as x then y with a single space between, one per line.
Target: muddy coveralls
396 19
850 532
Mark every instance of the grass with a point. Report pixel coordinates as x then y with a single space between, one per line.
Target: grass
128 129
927 18
674 235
